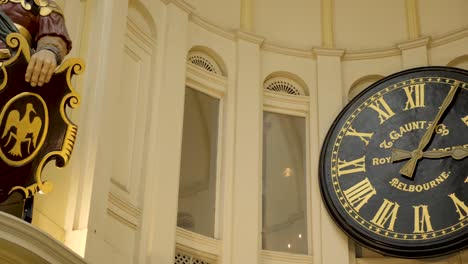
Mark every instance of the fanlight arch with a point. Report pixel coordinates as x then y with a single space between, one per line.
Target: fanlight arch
362 83
207 59
285 82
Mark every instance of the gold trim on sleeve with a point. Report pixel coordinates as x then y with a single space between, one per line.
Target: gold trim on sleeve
24 32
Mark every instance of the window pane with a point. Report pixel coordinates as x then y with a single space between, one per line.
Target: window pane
284 184
197 187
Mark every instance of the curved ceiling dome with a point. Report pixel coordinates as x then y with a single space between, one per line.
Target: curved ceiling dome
358 25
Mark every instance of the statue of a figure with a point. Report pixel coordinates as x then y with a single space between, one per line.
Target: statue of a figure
42 23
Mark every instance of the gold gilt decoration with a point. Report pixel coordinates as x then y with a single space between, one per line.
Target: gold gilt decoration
27 114
21 128
46 7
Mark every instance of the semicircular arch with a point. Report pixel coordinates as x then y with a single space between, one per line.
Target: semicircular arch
208 59
362 83
292 83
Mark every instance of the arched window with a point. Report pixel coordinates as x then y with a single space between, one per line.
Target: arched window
285 200
199 168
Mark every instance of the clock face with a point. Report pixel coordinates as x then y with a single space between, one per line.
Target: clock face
394 166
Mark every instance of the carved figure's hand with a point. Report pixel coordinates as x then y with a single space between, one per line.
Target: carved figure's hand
41 67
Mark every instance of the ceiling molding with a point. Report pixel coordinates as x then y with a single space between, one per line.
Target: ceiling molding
371 54
211 27
414 43
288 51
250 37
449 37
328 52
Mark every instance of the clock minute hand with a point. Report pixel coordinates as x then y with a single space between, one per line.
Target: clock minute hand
457 153
408 168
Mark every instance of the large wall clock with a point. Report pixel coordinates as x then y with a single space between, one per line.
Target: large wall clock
394 166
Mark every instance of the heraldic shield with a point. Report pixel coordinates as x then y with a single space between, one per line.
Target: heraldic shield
34 127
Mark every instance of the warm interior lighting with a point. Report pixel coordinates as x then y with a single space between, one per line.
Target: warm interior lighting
300 235
289 245
288 172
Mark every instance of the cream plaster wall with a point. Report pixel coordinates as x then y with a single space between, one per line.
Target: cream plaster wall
285 22
224 13
137 223
439 17
359 23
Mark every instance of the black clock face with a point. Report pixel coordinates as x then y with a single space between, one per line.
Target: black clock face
394 166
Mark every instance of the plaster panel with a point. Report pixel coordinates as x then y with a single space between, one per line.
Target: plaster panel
367 24
440 17
224 13
305 68
223 47
293 24
356 69
442 55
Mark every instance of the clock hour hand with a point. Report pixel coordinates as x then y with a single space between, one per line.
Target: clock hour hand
409 167
457 153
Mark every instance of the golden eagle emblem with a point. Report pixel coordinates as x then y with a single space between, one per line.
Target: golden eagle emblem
27 130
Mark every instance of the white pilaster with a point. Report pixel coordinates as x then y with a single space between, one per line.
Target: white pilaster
327 23
330 99
166 136
414 53
246 19
246 223
105 53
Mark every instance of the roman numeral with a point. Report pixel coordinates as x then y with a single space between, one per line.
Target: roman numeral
422 219
415 94
359 194
365 137
460 206
387 211
465 120
382 108
356 165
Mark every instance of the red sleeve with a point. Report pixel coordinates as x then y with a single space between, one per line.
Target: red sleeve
53 25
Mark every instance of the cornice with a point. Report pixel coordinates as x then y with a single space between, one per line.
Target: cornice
183 5
282 257
211 27
449 37
414 43
250 37
371 54
198 244
286 104
287 51
205 81
328 52
30 238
